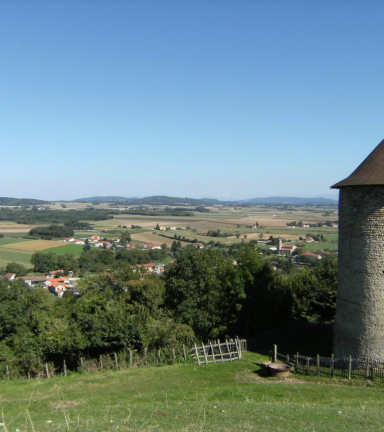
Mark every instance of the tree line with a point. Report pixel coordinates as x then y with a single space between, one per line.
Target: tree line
204 295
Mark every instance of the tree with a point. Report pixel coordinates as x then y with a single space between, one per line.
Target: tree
52 231
310 293
204 291
125 238
17 268
86 246
44 262
157 227
257 310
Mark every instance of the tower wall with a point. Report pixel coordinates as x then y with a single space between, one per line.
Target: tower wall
360 295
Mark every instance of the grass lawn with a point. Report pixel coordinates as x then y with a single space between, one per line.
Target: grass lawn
219 397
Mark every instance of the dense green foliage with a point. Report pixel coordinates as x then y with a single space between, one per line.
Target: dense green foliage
17 268
52 231
207 293
5 201
35 216
44 262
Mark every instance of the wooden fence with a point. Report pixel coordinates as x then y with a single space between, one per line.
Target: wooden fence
344 367
128 359
217 352
107 361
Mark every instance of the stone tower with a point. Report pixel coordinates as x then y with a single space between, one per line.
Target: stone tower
360 296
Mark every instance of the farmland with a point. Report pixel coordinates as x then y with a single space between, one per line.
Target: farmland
9 255
233 223
33 245
65 249
226 397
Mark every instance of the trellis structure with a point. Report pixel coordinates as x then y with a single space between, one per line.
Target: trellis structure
218 352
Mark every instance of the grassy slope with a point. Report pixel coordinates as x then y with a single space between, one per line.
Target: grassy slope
221 397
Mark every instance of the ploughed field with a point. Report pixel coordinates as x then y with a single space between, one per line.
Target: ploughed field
185 397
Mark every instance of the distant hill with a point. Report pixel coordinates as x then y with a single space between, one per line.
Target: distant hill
151 200
103 199
6 201
176 201
291 200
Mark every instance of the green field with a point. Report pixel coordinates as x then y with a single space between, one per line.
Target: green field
65 249
228 397
11 240
21 257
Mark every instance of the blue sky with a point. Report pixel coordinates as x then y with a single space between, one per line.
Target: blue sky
222 99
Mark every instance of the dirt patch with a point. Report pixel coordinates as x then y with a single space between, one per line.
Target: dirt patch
60 405
254 377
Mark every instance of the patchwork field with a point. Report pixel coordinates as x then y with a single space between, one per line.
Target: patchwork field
228 220
33 245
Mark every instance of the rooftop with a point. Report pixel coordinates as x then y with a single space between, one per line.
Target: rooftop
369 173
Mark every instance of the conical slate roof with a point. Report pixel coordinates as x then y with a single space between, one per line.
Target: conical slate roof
369 173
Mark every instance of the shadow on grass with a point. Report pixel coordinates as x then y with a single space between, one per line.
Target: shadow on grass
317 339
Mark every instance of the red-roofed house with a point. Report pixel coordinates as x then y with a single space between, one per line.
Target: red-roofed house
53 272
151 246
10 276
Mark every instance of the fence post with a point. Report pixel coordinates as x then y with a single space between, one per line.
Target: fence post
297 362
205 354
116 362
184 353
159 355
7 372
197 355
332 364
275 353
145 356
65 368
221 353
81 361
240 355
213 353
228 349
350 367
307 361
173 354
130 358
101 362
47 370
367 374
318 364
